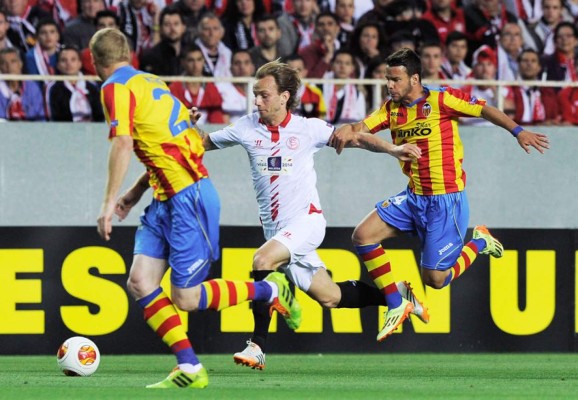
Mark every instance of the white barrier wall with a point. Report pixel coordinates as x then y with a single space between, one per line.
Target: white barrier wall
53 174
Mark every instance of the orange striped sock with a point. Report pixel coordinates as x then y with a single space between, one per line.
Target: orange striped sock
161 315
467 256
218 294
379 268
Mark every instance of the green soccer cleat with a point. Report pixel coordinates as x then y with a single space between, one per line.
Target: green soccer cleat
181 379
285 303
419 310
493 246
394 318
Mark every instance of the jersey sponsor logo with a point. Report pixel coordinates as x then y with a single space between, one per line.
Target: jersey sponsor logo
274 163
418 130
293 143
396 114
445 248
473 100
426 109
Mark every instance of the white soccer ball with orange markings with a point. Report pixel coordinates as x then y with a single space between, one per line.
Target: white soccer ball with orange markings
78 356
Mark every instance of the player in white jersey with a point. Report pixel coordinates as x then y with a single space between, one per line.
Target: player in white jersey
281 147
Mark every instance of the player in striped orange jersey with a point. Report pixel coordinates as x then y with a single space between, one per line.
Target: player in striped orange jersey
434 206
180 227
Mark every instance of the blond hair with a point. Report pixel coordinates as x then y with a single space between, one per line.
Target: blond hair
286 78
108 47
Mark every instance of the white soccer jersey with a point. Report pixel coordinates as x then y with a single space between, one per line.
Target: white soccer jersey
282 164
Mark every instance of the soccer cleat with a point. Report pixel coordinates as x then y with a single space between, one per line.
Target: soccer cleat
285 303
181 379
419 310
394 318
252 356
493 246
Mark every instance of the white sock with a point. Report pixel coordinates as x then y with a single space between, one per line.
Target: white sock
190 368
274 290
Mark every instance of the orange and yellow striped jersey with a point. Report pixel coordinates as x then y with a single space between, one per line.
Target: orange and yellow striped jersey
140 104
431 123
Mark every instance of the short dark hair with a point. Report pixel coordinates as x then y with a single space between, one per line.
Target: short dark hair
267 17
529 50
565 24
455 36
107 14
406 58
45 22
170 10
326 14
189 49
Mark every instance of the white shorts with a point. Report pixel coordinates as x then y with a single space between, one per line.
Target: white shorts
301 237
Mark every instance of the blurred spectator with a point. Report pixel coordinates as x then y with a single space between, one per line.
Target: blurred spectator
560 65
19 100
42 58
60 11
268 35
318 55
542 31
406 16
484 21
138 20
217 55
510 47
235 96
376 69
23 18
311 104
399 40
192 11
568 102
484 66
303 22
103 19
203 95
446 18
431 61
377 14
74 101
239 23
533 105
4 25
344 10
345 102
79 30
454 66
164 58
529 11
368 41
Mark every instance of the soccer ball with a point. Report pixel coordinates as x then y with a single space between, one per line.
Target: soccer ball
78 356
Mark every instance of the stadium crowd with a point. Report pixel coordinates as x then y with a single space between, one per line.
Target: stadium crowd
511 40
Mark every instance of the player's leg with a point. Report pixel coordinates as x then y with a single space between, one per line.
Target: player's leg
388 220
445 256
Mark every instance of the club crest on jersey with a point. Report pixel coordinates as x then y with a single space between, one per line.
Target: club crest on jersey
426 109
386 203
293 143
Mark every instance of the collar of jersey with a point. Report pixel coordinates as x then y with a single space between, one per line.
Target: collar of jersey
283 123
426 94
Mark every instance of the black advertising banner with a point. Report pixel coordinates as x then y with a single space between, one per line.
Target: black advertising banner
57 282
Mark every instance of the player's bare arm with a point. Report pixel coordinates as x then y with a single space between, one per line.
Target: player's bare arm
132 196
526 138
343 135
195 115
118 160
368 141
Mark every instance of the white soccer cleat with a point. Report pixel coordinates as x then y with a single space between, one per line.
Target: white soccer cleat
252 356
419 310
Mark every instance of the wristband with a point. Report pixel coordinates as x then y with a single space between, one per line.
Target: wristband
516 131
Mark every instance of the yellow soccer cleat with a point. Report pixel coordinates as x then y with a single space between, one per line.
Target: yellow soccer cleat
493 246
181 379
394 318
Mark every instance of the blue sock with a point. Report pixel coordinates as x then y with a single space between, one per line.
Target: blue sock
263 291
480 244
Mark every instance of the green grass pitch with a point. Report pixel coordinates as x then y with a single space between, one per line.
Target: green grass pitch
327 376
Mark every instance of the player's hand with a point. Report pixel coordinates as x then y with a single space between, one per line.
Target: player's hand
406 152
104 222
194 115
538 141
124 205
341 138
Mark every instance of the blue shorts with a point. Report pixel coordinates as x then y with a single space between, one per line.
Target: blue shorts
440 222
183 230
